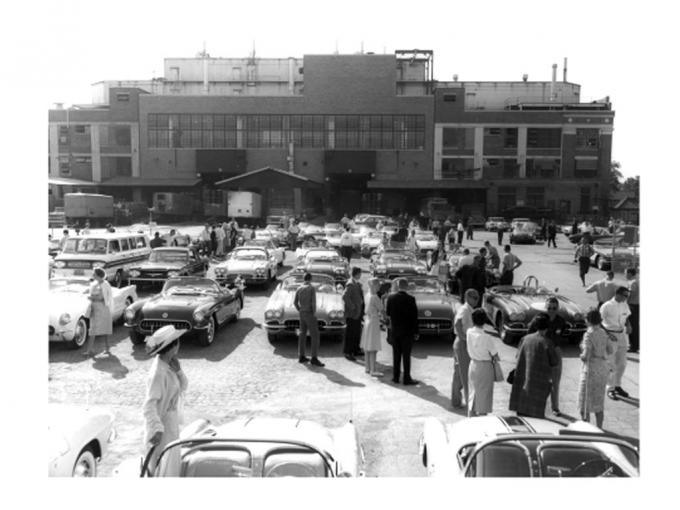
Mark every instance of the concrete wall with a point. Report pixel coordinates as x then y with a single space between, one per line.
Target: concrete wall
496 95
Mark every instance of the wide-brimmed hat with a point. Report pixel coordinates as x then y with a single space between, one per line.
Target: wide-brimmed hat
162 338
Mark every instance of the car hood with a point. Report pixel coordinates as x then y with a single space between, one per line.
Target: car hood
426 301
324 301
323 267
242 265
398 266
535 304
66 302
159 266
166 303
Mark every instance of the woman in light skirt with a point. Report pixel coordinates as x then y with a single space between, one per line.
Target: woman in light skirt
370 335
595 347
101 303
481 348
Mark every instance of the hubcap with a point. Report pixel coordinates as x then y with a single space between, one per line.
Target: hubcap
211 330
80 332
83 469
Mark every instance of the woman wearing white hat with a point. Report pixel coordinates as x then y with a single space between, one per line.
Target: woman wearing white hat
164 390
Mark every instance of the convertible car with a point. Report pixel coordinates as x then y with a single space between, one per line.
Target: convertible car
624 255
78 438
254 265
260 448
495 223
164 263
511 307
324 261
68 304
426 241
310 243
595 234
514 446
281 317
436 307
524 233
198 305
278 252
279 233
370 242
333 238
391 263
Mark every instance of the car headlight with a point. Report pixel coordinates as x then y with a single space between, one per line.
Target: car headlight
336 314
517 316
421 269
134 273
278 314
172 274
199 315
60 264
339 269
578 316
129 314
219 271
64 318
268 314
259 270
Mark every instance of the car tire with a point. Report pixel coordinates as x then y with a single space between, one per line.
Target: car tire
207 336
86 464
128 302
136 337
272 337
80 335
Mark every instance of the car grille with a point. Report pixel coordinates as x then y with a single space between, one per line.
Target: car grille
295 324
153 274
407 272
79 264
51 330
434 324
153 325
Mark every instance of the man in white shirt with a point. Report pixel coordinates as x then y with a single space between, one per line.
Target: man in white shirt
461 358
459 230
467 259
346 242
615 314
604 289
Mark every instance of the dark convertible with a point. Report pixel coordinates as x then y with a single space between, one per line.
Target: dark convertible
198 305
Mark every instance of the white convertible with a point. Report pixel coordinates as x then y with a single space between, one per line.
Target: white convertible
68 305
278 253
77 439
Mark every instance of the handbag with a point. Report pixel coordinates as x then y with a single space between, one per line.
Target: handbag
497 370
511 376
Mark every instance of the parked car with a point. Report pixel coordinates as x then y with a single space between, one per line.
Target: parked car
512 307
624 255
516 446
278 252
324 261
426 241
261 447
164 263
358 233
332 227
282 318
333 238
77 439
391 263
370 242
476 221
595 234
310 243
267 235
253 264
515 221
524 233
68 304
315 231
436 307
495 223
197 305
279 233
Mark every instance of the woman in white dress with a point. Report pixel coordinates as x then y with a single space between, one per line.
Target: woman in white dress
482 349
165 387
370 336
101 304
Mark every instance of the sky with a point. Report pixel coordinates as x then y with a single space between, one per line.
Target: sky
86 42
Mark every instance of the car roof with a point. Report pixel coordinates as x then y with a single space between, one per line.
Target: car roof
173 248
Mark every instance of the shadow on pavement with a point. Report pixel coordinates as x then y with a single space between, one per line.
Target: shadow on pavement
424 391
430 346
286 346
227 338
110 364
60 352
333 376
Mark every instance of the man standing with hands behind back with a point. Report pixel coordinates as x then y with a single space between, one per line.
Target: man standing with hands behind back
402 311
305 303
353 297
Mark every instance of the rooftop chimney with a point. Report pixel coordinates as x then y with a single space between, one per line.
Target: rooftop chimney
525 77
552 83
564 71
455 77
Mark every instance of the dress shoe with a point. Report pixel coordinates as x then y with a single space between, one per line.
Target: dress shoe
612 394
317 363
620 391
411 382
360 352
303 359
395 381
350 357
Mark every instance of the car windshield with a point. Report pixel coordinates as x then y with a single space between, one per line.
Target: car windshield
496 218
321 283
265 243
170 256
263 234
526 227
85 245
190 287
426 237
374 235
399 257
425 285
248 255
323 256
76 286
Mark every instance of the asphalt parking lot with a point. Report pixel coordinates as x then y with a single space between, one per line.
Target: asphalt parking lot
243 374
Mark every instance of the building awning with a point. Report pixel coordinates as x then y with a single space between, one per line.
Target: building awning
150 182
428 184
266 174
64 181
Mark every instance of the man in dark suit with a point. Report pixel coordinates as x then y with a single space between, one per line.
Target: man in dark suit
402 311
353 297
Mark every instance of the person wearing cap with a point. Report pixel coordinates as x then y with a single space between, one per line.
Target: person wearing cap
100 311
165 387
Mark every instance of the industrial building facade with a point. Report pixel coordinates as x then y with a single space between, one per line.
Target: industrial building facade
375 133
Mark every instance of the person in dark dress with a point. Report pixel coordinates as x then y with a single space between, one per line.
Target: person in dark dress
535 359
402 311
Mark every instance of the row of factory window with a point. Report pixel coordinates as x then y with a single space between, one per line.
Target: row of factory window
535 197
496 138
79 135
397 132
509 168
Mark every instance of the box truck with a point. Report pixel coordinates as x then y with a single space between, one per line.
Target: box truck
82 207
244 204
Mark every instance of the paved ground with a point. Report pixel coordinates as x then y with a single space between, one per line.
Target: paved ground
243 374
